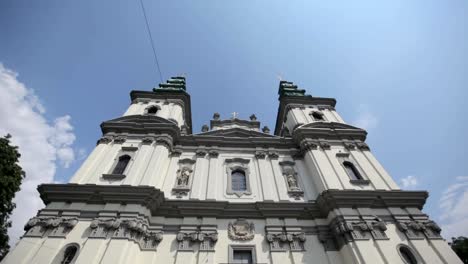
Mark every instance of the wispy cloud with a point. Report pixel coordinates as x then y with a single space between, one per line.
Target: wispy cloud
409 182
454 208
43 144
365 119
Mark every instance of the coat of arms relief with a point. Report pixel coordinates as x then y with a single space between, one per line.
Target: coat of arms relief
241 230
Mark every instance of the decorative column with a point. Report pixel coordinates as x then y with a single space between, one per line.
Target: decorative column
159 158
212 175
199 175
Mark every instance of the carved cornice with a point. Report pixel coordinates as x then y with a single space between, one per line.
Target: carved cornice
154 200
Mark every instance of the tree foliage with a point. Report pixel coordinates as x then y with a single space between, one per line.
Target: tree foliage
460 246
11 175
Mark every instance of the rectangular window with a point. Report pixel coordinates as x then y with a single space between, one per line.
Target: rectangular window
242 256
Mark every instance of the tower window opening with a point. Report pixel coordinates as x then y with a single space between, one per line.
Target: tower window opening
352 171
121 164
318 116
239 180
152 110
69 255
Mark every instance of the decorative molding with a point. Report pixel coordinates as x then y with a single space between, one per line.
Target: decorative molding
132 229
200 153
241 230
50 226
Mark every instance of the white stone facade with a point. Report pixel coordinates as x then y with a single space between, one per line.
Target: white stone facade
153 192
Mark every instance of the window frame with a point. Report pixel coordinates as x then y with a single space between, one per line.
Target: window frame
234 165
248 247
125 151
346 158
61 254
413 252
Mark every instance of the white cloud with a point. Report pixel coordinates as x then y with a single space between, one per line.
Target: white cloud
454 209
365 118
409 182
40 143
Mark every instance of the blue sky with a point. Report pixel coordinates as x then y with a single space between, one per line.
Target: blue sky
398 68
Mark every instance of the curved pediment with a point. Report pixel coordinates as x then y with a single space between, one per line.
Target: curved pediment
140 124
235 132
330 125
329 130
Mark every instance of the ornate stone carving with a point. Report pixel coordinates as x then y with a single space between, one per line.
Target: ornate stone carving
414 229
349 145
241 230
266 130
200 153
147 140
296 240
104 140
260 154
359 229
291 178
165 141
187 238
119 139
216 116
253 117
184 178
273 155
325 145
276 240
132 229
362 146
49 226
213 153
205 128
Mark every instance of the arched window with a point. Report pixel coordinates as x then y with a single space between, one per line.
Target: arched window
121 164
352 171
152 110
239 181
318 116
67 255
407 255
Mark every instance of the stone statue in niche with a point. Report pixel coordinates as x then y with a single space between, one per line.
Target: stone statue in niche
184 177
292 181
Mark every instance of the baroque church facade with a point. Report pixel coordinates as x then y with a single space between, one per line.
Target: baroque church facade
311 191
